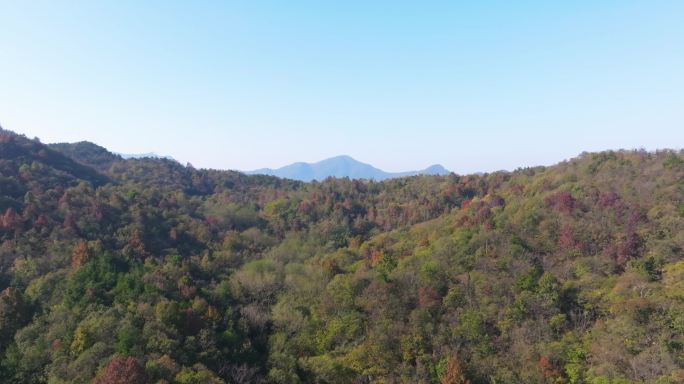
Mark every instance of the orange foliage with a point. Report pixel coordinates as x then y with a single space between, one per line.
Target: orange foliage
80 254
454 373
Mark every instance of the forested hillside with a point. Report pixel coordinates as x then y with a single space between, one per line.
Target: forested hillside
147 271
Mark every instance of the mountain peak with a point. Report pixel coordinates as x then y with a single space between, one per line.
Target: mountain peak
341 157
436 169
341 166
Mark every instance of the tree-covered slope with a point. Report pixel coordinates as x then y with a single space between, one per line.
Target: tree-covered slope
19 154
88 153
155 272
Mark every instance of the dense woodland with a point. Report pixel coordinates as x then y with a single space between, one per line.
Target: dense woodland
147 271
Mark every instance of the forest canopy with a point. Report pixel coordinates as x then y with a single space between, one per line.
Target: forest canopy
147 271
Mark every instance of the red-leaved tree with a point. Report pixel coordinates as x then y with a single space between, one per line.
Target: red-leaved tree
122 370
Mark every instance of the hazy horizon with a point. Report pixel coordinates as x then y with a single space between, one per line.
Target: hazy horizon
512 167
473 87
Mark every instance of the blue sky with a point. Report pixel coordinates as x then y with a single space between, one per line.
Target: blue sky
475 86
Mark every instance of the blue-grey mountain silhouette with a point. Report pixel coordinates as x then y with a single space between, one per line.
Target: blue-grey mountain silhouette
342 166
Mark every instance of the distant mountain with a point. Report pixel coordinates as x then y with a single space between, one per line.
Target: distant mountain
150 155
341 166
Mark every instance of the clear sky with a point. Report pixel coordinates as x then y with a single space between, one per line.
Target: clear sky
473 85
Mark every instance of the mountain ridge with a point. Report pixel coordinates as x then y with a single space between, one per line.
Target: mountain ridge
341 166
